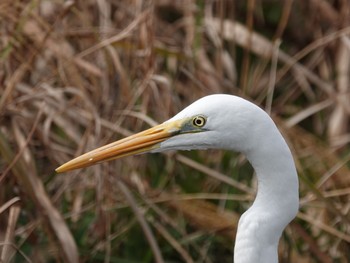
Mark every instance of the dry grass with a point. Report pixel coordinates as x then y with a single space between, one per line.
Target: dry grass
75 75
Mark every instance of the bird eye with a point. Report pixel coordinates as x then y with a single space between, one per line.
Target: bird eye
199 121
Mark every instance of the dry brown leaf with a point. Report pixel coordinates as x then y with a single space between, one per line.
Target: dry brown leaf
61 48
7 249
28 179
261 46
338 121
206 216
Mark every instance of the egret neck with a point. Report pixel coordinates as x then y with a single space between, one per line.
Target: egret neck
276 202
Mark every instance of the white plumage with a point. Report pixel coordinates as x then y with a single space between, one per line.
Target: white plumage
231 123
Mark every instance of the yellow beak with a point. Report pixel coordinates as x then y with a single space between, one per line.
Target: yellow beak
144 141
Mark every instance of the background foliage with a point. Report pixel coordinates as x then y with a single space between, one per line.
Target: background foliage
75 75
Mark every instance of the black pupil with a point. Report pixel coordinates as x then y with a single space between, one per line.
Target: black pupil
198 121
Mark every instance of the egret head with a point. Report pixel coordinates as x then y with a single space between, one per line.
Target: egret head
208 123
212 122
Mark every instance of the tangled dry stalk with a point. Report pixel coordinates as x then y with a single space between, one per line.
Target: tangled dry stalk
75 75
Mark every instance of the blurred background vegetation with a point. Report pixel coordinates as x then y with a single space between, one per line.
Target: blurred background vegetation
75 75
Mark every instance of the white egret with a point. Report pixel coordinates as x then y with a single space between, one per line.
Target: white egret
231 123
